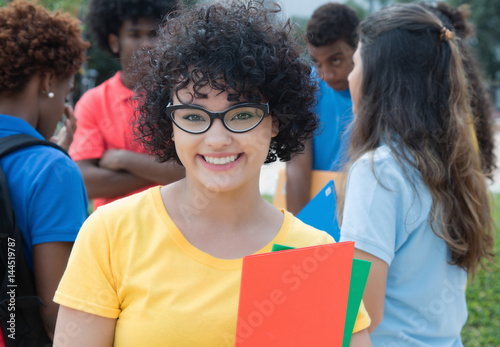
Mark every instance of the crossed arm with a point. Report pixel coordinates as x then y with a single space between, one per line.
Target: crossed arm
119 172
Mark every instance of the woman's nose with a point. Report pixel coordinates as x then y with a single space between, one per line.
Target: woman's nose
218 136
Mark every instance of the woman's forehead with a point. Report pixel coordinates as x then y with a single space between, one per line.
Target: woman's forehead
206 93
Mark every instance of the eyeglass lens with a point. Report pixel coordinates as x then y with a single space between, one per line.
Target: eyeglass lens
237 119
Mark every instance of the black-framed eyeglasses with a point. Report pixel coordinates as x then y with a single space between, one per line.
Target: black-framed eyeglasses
237 119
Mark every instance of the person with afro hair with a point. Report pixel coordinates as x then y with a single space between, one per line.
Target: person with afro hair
228 91
41 52
331 42
112 163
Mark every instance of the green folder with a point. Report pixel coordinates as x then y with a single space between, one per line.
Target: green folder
359 275
277 247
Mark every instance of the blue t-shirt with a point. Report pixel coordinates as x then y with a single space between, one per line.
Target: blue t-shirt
46 189
334 110
389 218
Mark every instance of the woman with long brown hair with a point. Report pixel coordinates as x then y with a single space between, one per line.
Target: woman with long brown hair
416 201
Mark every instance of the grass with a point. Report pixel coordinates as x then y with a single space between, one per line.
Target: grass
268 198
483 296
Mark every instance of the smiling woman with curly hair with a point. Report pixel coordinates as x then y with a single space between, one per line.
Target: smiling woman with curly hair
248 60
227 92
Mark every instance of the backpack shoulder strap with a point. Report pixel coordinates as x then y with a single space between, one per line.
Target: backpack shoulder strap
9 144
30 330
12 143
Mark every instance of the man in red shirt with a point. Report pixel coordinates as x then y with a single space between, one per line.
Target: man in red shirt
112 163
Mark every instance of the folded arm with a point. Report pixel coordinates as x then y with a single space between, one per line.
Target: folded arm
142 165
101 182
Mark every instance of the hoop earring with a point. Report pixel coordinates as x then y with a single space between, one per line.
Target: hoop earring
50 95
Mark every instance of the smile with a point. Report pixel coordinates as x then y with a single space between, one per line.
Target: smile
221 161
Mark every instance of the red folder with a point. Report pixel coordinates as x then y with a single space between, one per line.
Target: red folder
295 297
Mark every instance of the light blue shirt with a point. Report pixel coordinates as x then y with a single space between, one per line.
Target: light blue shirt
46 190
334 110
387 215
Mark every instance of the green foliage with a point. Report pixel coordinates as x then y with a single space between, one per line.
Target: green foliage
485 14
299 31
483 298
72 6
360 10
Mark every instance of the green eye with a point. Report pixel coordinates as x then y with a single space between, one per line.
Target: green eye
193 118
242 116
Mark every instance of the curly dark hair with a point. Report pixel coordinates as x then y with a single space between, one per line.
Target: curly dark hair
33 40
481 105
330 23
107 16
242 49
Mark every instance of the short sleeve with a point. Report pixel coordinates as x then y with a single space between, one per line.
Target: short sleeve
57 205
88 284
374 206
363 320
88 141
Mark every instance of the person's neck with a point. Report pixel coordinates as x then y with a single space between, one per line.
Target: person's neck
22 105
227 225
234 208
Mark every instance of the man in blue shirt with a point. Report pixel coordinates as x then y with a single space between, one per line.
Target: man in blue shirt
331 41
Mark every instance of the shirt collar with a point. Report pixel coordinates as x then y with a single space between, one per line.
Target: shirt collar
10 125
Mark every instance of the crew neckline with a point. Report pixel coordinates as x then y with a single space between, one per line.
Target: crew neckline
203 257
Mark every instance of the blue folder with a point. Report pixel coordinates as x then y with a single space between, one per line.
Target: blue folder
321 211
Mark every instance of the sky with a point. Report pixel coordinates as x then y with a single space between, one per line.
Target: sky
303 8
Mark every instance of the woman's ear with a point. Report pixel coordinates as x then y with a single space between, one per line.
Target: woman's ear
46 83
114 44
275 127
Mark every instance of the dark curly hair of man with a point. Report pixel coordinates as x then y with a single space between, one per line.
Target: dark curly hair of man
244 49
330 23
107 16
33 41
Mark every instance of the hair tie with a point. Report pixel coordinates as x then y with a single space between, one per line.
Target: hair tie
445 35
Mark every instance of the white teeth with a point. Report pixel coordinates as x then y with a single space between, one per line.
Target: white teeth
220 161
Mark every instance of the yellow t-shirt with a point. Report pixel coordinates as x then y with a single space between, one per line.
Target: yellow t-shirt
131 262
